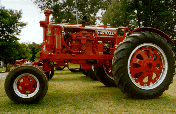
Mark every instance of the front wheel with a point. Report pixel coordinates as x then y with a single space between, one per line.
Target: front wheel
26 84
143 65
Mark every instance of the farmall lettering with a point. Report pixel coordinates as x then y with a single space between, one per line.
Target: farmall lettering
106 32
141 64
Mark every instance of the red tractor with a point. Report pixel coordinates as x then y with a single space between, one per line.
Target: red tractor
140 64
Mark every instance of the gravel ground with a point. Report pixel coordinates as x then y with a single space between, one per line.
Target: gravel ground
3 74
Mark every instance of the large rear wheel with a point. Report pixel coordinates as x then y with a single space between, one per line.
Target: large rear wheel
143 65
26 84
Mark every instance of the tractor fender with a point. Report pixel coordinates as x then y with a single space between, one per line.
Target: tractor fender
161 33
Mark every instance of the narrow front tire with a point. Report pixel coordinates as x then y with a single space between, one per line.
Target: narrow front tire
26 84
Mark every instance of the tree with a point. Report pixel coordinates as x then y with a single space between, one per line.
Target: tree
34 47
37 55
12 51
10 25
64 11
158 14
24 52
118 13
10 28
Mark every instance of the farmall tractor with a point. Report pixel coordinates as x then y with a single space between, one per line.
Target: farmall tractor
140 64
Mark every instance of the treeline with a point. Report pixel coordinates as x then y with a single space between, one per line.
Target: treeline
11 51
160 14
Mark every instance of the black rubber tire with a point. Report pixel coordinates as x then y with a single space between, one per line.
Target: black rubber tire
104 78
92 74
84 72
15 73
120 64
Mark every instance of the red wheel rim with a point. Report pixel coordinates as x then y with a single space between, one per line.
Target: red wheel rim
147 66
26 85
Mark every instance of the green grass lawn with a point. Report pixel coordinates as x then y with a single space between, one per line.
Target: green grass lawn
75 93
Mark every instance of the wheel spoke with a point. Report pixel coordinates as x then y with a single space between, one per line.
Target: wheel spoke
150 79
140 80
157 72
158 62
144 55
136 71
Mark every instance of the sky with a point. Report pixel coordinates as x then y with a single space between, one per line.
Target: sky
32 32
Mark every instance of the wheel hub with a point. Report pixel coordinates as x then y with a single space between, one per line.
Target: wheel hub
148 65
26 85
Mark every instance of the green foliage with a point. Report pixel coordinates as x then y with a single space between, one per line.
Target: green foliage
64 11
10 28
37 55
34 47
118 13
11 51
24 51
158 14
10 25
